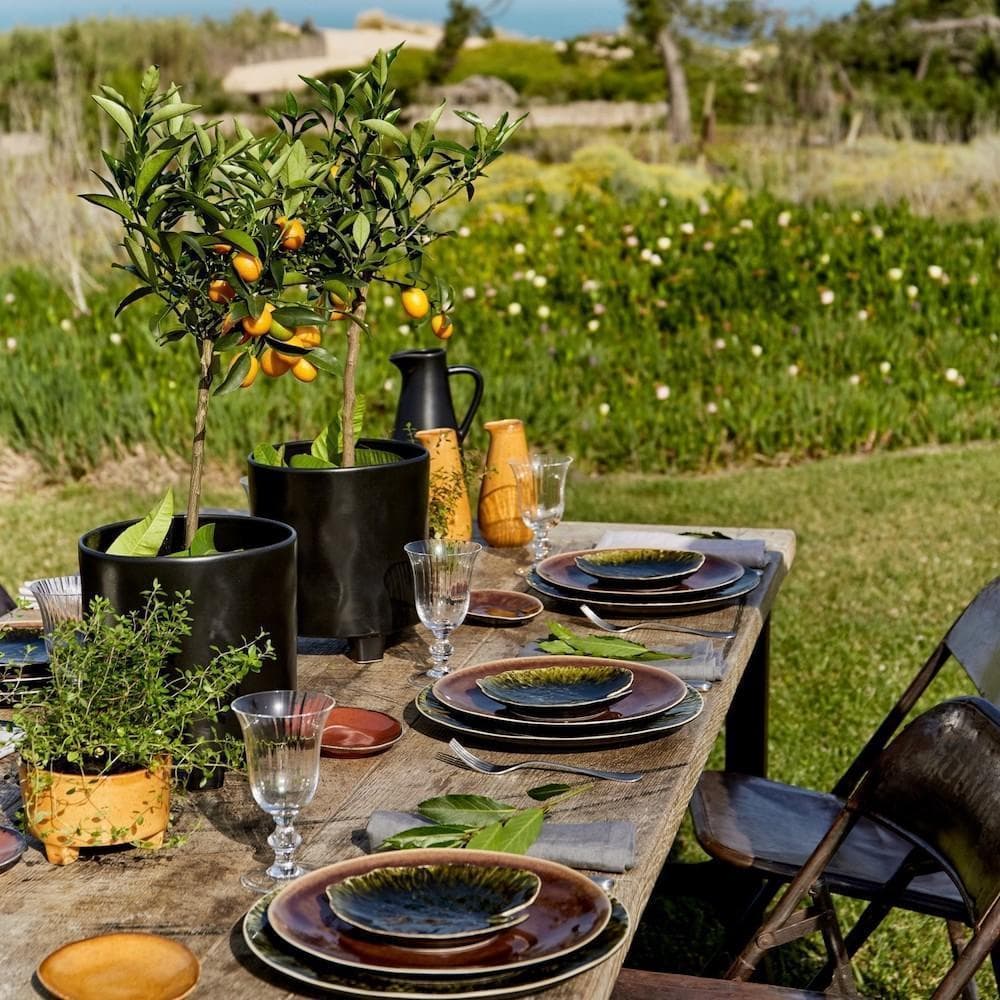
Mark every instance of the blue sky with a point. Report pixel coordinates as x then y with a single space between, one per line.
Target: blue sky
550 18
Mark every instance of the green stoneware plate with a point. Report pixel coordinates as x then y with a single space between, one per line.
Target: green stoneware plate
641 566
435 904
483 731
276 955
558 689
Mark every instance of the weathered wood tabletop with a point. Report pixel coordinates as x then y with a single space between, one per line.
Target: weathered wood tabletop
193 892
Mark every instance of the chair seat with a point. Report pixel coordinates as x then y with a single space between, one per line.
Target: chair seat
634 984
755 823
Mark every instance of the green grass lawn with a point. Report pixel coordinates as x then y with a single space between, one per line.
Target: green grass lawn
890 550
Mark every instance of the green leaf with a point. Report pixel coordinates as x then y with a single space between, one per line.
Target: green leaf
385 129
115 205
145 537
152 169
544 792
206 207
361 230
167 111
467 810
439 835
318 449
203 543
513 837
236 374
611 646
266 454
373 456
298 316
118 114
557 646
133 296
324 360
309 462
357 422
240 239
150 81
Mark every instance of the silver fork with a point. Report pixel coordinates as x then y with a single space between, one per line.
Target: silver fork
706 633
470 760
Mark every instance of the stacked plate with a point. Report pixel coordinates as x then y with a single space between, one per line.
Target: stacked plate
424 924
560 702
24 666
643 581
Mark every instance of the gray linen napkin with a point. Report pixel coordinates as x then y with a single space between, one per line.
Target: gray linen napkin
746 551
607 846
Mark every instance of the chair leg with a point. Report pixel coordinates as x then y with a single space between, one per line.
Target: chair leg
983 943
739 932
843 974
956 938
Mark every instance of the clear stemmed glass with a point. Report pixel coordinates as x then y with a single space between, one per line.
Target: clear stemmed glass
283 732
541 496
442 576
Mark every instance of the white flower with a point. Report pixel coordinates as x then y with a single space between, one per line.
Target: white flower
171 384
11 343
854 380
885 367
404 329
703 208
631 240
856 217
687 228
593 325
746 224
388 385
115 338
589 285
518 276
544 312
662 203
912 291
784 219
711 408
708 246
468 292
662 391
645 253
558 232
559 45
520 249
529 198
600 308
824 259
529 275
973 279
719 343
877 232
65 325
751 87
464 231
656 260
951 375
756 350
793 370
895 274
388 301
604 409
514 309
935 272
663 243
862 315
10 298
580 228
826 296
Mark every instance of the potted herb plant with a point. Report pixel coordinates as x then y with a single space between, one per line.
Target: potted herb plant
356 503
103 744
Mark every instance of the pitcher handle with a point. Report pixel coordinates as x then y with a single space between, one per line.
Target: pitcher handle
477 396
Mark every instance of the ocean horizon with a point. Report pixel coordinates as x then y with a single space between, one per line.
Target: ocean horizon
540 18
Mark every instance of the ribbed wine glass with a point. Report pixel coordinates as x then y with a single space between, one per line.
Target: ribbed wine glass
541 496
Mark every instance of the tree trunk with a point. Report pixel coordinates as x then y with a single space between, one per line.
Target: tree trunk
354 332
708 115
680 102
198 444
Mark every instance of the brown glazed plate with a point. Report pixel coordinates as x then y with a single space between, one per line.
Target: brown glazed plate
127 966
654 690
502 607
359 732
12 846
562 571
569 912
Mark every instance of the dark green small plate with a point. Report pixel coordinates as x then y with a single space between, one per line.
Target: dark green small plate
558 689
659 566
435 905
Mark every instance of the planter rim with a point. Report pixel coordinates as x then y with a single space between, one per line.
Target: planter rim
418 456
159 762
191 560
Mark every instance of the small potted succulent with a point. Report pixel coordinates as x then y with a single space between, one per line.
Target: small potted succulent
104 743
355 503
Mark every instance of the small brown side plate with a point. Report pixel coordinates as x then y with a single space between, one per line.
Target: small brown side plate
502 607
359 732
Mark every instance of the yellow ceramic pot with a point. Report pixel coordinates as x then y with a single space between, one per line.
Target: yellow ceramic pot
449 511
499 521
67 811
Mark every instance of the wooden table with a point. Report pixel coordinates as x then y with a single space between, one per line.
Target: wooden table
193 892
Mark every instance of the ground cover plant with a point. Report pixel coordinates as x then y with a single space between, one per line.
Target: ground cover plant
890 548
632 330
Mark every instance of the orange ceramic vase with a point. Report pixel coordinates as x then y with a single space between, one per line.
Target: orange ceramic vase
449 511
499 521
67 811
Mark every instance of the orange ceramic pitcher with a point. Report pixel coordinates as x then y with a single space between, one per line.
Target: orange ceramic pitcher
499 520
449 510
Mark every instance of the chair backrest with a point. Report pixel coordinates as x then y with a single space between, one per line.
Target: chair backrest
7 603
938 786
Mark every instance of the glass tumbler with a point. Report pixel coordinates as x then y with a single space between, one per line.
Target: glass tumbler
60 599
442 578
283 733
541 496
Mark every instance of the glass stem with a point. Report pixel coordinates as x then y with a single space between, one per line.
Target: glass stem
284 841
540 543
441 650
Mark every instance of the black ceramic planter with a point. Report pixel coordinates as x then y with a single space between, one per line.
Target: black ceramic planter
234 594
354 578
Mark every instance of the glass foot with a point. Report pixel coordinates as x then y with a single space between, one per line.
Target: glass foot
262 881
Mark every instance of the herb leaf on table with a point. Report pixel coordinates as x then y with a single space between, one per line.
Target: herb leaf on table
566 641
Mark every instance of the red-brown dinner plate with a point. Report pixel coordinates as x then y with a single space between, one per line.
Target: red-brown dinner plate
569 912
502 607
359 732
12 846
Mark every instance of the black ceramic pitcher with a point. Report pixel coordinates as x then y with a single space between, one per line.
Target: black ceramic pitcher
425 397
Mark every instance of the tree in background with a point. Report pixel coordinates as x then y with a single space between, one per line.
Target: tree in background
463 21
667 26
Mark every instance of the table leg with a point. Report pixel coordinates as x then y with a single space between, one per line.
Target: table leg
746 721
